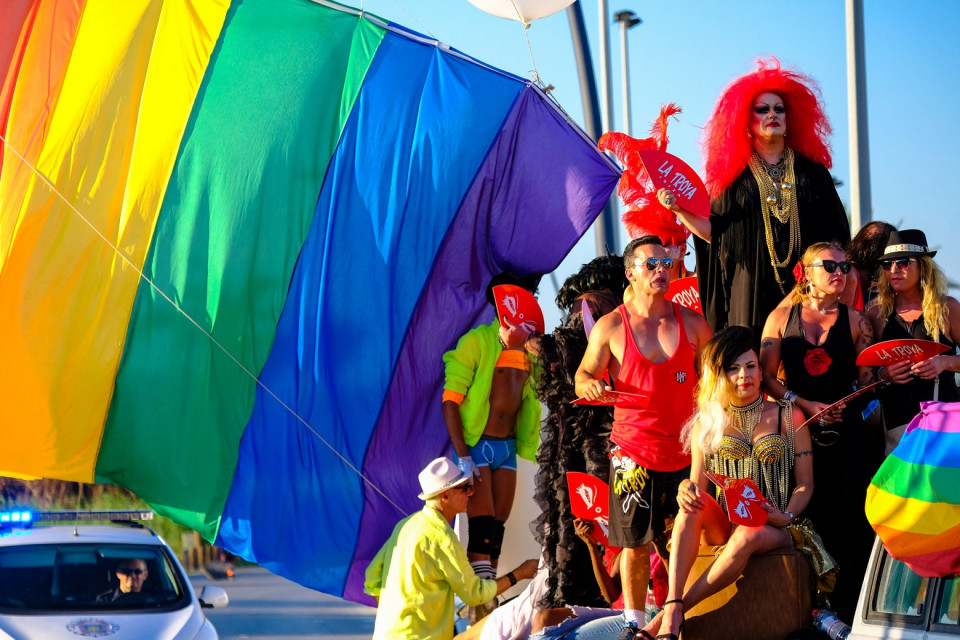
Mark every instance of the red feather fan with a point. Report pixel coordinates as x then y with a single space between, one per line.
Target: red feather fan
645 215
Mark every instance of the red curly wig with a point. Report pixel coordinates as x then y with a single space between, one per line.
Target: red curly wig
645 215
726 142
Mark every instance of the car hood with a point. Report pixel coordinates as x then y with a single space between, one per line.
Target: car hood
183 624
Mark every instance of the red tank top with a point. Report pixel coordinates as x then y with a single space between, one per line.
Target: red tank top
649 432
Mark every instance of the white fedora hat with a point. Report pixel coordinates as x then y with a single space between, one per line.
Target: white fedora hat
438 476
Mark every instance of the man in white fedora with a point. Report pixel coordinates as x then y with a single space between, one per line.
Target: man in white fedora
416 573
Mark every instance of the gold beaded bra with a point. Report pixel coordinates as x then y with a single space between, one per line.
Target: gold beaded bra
767 460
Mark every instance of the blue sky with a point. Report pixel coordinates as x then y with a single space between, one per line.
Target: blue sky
687 51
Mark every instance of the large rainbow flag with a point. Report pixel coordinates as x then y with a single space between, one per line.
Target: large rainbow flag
235 240
913 502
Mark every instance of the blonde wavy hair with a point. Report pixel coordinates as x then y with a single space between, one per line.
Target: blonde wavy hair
799 293
933 284
714 390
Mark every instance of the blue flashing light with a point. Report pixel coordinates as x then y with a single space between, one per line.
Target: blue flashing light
16 518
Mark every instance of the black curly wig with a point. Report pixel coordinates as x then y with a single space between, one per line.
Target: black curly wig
573 438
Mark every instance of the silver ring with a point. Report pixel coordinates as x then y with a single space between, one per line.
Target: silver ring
822 422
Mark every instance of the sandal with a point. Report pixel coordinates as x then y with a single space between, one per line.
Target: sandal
673 636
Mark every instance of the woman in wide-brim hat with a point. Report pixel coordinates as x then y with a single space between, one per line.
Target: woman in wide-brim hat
913 303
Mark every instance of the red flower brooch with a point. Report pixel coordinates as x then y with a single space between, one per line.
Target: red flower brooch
798 273
817 361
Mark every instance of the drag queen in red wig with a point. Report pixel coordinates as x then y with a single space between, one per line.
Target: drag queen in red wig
766 168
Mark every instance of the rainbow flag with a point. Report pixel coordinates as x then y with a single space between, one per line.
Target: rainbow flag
235 240
913 502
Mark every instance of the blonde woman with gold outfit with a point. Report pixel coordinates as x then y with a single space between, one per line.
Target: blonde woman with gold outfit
735 432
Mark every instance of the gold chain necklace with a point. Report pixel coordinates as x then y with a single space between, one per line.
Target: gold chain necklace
747 418
778 202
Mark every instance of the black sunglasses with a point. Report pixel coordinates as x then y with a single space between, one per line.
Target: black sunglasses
651 263
831 265
902 263
464 487
129 572
766 108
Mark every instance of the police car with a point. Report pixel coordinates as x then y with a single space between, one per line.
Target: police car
95 580
897 603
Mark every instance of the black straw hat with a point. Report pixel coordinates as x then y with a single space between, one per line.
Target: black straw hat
907 243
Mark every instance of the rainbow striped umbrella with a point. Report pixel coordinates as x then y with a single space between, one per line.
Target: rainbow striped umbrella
235 240
913 502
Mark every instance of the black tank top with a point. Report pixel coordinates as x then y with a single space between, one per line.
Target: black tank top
901 402
822 373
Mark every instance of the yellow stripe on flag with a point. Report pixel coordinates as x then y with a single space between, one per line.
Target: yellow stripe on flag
907 514
65 295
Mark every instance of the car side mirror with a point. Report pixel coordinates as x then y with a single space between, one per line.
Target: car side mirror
213 597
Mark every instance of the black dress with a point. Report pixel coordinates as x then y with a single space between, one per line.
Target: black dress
901 402
737 283
826 373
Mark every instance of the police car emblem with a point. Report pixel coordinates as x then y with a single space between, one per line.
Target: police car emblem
92 628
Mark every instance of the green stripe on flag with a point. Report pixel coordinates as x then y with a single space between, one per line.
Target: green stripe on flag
918 481
278 90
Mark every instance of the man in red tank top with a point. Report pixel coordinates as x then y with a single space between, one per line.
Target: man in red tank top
650 347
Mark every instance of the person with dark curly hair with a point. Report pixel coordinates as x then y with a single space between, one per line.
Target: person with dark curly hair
573 437
865 251
767 163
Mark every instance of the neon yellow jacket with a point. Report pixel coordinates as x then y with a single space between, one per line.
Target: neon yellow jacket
415 575
469 371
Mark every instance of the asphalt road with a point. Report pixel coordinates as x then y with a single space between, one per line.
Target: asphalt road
266 607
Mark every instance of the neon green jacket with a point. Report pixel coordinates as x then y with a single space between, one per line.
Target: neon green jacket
415 575
469 370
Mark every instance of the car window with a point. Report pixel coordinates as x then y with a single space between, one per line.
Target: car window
35 578
899 591
949 608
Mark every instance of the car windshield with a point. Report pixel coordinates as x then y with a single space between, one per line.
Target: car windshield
50 577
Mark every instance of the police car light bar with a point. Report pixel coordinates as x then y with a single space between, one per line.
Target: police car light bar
22 519
93 516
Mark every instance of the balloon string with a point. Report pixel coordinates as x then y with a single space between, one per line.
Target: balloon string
526 34
210 337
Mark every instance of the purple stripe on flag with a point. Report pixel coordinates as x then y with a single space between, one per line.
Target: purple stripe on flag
943 417
538 191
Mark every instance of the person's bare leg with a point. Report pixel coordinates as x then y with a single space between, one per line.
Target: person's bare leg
504 491
481 504
744 542
635 576
710 524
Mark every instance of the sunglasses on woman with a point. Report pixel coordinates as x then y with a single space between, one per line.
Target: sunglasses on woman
902 263
651 263
831 265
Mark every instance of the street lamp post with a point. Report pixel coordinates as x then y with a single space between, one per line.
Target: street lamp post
860 205
627 20
605 225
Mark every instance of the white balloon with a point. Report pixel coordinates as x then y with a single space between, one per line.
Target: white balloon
527 9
